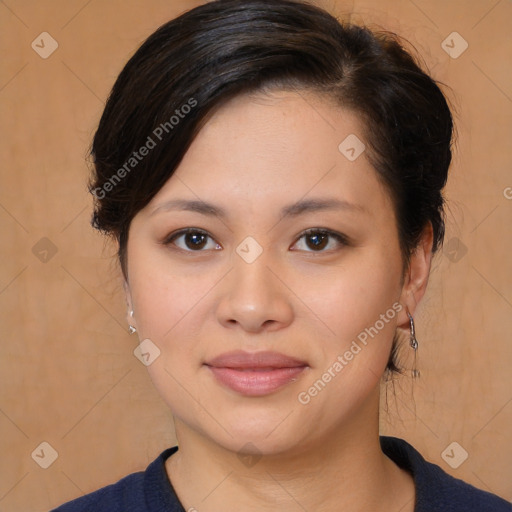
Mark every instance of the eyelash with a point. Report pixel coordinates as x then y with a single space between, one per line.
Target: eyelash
340 238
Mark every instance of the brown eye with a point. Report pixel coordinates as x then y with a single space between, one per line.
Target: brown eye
192 240
317 240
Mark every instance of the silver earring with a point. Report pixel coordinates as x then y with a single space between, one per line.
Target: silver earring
413 341
131 328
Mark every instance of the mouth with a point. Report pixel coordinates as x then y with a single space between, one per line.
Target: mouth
255 374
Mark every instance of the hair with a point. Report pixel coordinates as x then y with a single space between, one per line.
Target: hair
193 64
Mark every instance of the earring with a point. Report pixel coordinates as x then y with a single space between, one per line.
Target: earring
131 328
414 345
413 341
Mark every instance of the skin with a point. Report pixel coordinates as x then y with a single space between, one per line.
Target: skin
256 155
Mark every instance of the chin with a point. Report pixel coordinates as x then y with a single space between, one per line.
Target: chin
264 433
262 445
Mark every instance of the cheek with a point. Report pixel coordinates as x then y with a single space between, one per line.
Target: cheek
163 293
353 297
359 304
360 308
165 302
169 304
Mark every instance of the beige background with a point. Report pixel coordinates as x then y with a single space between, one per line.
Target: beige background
69 376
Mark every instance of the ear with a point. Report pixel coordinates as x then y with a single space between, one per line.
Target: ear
129 304
416 276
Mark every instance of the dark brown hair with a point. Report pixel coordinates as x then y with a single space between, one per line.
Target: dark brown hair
193 64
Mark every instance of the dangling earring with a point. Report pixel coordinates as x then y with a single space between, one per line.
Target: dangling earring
131 328
413 342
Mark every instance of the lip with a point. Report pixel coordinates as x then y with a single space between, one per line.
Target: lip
256 373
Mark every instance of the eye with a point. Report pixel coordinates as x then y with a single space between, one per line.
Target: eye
312 240
320 240
192 239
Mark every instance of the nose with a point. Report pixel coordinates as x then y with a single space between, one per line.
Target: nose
253 298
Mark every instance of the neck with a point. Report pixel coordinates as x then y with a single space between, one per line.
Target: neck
341 470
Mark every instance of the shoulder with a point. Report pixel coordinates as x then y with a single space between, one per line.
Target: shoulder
129 494
436 490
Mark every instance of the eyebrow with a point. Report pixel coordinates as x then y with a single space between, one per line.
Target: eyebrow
299 208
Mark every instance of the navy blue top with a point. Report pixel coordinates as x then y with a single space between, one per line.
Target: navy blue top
151 490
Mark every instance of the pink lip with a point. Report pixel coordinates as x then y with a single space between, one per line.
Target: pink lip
255 374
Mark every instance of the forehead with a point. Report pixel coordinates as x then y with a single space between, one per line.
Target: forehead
276 130
275 147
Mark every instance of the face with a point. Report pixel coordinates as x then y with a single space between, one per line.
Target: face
267 272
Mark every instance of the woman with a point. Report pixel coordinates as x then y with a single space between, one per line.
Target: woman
273 179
